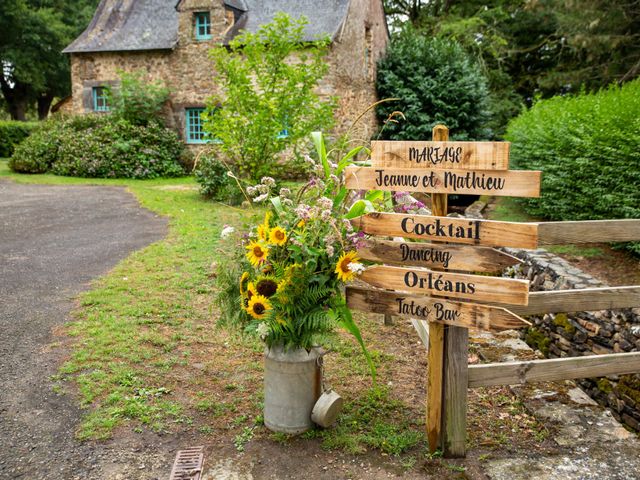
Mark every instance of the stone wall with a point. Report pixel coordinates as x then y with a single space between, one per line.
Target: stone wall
189 73
584 333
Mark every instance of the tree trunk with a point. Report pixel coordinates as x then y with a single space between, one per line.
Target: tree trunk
44 104
17 98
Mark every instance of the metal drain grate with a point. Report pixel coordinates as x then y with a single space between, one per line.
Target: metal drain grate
188 464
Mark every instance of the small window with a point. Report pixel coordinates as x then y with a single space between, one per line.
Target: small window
194 132
100 99
203 25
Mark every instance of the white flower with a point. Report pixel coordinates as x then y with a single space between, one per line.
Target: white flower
330 250
251 191
325 203
261 198
285 192
226 231
263 330
268 181
356 267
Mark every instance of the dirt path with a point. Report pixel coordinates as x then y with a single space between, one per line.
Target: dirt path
53 241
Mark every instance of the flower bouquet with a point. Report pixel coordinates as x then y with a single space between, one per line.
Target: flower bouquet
285 279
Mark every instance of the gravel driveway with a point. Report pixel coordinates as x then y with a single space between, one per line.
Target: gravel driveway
53 241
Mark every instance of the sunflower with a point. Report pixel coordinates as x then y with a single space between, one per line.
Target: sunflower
278 236
257 253
301 224
249 294
266 286
244 279
342 267
263 233
258 307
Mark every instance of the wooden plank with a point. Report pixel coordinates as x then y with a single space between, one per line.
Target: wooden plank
584 300
455 392
435 371
505 183
435 353
441 154
512 373
445 311
488 233
446 284
432 255
421 329
589 231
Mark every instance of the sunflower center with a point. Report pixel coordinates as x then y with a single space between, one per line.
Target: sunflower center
257 251
258 309
267 287
279 235
344 265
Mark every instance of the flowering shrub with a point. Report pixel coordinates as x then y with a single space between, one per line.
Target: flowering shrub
100 146
283 279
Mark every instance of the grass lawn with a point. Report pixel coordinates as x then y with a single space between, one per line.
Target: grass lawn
144 349
144 352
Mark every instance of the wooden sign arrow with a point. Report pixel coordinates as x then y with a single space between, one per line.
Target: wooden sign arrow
459 314
447 229
463 155
446 284
437 255
506 183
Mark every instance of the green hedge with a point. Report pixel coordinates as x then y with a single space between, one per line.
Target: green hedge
100 146
12 133
588 148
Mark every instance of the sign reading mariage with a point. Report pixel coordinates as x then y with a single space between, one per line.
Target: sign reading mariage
443 167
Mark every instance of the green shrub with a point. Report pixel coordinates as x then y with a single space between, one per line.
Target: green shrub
100 146
435 82
12 133
136 101
215 183
38 152
588 148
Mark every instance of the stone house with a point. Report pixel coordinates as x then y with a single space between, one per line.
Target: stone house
169 41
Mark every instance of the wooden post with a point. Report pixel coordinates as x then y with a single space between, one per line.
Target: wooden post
435 354
447 362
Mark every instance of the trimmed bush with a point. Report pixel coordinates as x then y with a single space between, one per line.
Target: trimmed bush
436 82
588 148
12 133
100 146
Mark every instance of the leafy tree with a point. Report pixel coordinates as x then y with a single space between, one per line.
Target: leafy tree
537 49
268 103
436 82
33 34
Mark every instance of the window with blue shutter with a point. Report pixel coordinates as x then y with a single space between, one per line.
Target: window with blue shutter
203 25
100 99
193 126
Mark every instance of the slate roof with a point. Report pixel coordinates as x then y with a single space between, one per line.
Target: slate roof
129 25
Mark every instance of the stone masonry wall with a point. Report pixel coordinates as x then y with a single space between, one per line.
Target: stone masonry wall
189 73
584 333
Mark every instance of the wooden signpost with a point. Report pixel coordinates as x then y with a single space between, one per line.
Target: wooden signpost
445 284
437 256
415 282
